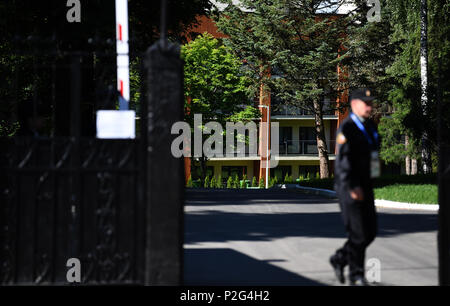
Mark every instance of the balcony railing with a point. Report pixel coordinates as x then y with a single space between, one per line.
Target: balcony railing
289 147
287 110
303 147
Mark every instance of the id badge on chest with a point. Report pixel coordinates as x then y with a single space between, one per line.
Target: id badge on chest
374 165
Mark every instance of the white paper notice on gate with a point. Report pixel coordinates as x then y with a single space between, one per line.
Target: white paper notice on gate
116 124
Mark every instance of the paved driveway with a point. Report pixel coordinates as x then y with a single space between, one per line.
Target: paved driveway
279 237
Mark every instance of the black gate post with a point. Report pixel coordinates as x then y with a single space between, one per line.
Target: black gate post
443 133
165 179
444 216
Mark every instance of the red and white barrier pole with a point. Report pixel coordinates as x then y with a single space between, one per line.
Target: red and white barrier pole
123 62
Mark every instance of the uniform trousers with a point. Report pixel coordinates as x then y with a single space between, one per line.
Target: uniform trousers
360 222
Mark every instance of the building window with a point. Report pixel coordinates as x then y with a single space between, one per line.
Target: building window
307 140
232 171
285 139
196 171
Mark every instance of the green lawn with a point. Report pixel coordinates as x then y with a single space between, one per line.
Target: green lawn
421 189
423 194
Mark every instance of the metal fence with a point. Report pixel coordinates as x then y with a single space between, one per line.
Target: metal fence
66 194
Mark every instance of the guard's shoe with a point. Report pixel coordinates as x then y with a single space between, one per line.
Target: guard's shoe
359 281
338 269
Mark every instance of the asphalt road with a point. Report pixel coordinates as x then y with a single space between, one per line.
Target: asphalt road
280 237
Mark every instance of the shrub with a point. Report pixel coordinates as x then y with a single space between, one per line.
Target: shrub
244 181
230 182
206 184
261 182
189 183
288 179
254 182
213 183
236 182
219 182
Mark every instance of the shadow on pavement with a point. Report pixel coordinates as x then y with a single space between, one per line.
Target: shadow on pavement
228 267
220 226
217 226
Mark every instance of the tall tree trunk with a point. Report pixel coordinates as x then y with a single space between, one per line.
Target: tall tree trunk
407 158
426 154
413 166
321 140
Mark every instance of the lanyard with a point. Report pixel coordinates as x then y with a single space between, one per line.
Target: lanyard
363 129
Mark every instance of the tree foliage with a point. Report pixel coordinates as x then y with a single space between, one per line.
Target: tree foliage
293 49
409 117
213 82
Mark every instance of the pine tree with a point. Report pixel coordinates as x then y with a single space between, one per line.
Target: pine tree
219 182
293 40
236 183
275 180
261 182
230 182
244 181
254 183
213 183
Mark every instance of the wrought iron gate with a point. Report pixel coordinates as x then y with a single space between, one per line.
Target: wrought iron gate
72 199
97 200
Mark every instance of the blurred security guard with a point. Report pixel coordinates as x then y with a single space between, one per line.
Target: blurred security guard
356 164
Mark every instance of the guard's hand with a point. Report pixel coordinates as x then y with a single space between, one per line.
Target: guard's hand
357 194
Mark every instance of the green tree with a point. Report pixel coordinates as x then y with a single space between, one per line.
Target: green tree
214 84
292 39
411 119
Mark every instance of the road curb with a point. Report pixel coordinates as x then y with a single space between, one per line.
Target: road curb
317 191
378 203
408 206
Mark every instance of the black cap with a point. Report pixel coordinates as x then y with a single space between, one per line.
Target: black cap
364 94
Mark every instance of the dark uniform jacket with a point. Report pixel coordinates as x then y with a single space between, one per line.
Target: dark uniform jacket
352 165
